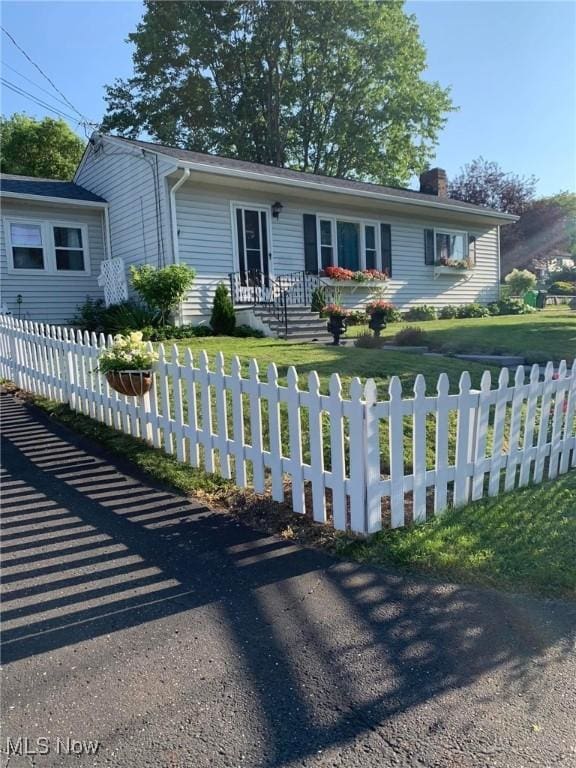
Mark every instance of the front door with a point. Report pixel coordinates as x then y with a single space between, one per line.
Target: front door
254 257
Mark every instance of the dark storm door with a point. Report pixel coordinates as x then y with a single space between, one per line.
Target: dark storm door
253 246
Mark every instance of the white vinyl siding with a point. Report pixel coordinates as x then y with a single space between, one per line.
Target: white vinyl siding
51 296
139 216
206 244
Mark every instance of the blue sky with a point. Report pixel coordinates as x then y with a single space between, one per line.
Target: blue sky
511 66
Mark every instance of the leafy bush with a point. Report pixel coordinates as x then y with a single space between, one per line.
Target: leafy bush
318 300
449 312
411 337
563 288
511 306
176 332
246 332
494 308
356 317
163 289
223 320
128 316
422 312
368 341
473 310
520 280
89 315
539 356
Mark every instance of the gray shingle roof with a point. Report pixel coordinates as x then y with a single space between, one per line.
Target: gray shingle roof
329 181
30 185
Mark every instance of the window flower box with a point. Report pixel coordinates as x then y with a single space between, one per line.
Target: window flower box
446 270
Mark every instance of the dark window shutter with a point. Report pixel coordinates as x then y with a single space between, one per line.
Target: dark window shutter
386 246
310 244
428 246
472 249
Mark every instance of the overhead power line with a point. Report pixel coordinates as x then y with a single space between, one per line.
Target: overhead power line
34 83
36 100
44 75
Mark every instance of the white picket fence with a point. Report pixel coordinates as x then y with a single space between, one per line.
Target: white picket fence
357 462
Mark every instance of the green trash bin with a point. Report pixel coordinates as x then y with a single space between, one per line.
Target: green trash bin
531 298
541 299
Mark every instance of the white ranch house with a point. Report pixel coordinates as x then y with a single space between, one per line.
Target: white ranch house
267 232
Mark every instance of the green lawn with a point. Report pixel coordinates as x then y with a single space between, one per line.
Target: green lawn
523 540
544 335
348 361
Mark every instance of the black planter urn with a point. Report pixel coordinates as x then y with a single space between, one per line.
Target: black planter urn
337 327
377 322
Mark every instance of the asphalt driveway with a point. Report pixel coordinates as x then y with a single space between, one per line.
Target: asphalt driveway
175 636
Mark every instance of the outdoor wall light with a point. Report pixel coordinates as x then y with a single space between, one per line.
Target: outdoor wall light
276 208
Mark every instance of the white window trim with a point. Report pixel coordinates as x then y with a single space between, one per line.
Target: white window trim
441 231
48 247
354 220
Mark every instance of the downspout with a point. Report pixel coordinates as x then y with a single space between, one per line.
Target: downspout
173 219
174 226
107 237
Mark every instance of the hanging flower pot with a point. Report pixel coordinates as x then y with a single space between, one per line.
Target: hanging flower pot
127 365
131 383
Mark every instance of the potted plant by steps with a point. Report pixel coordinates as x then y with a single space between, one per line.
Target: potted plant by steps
127 365
378 311
336 325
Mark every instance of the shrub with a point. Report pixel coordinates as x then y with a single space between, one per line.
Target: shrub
422 312
520 280
89 316
536 356
563 288
513 306
368 341
176 332
163 289
318 300
117 318
223 320
411 337
449 312
246 332
356 317
473 310
494 308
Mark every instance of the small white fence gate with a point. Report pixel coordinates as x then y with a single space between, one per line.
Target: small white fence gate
357 462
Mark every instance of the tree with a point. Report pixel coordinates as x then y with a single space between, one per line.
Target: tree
223 320
330 87
30 147
519 281
483 182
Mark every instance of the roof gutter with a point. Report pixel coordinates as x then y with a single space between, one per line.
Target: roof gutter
48 199
381 196
173 218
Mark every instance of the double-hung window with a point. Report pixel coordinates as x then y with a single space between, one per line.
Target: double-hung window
47 247
451 246
349 243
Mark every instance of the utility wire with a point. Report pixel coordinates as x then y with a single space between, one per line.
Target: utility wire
36 100
23 52
34 83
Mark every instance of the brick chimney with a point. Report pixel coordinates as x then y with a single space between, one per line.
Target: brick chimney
434 182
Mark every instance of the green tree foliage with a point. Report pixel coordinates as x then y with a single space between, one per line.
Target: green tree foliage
163 289
329 87
47 147
223 320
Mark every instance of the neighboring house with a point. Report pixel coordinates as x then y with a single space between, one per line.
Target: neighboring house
52 242
259 228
